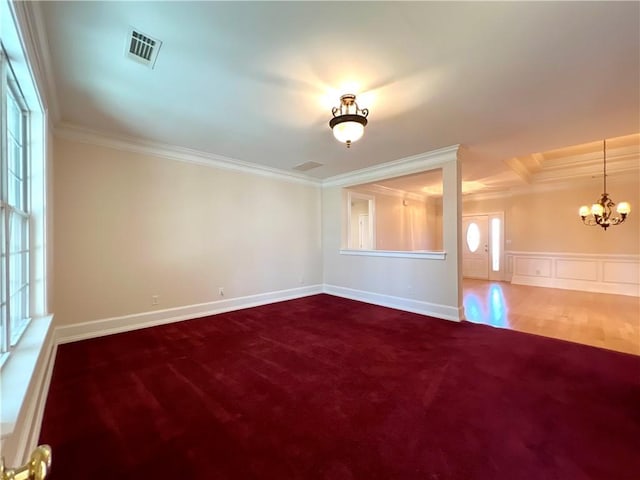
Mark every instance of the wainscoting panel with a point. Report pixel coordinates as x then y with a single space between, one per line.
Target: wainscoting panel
533 266
577 270
617 274
621 272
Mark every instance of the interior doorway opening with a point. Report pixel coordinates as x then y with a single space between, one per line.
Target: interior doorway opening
361 221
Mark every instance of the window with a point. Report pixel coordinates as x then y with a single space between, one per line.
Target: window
496 243
14 211
473 237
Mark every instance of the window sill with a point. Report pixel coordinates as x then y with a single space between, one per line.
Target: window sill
416 254
26 362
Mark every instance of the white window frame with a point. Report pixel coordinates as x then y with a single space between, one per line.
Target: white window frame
13 298
26 371
497 244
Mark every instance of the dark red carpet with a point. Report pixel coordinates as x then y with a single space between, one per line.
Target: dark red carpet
328 388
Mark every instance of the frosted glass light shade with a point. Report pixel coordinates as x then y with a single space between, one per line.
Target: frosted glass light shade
597 209
584 211
348 131
623 208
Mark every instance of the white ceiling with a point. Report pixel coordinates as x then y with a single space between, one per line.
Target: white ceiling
256 81
551 169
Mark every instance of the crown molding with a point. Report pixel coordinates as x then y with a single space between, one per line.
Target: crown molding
621 159
28 16
538 159
565 184
392 192
475 197
120 142
626 164
519 168
395 168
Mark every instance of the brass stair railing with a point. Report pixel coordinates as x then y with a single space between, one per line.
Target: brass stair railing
36 468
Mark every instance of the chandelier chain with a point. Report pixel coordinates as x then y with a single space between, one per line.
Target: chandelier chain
605 165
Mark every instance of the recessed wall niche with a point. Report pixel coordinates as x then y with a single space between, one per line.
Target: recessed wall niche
402 214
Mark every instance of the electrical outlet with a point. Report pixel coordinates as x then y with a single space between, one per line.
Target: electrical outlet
155 299
221 291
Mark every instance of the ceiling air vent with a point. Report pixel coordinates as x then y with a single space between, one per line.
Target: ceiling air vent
142 48
303 167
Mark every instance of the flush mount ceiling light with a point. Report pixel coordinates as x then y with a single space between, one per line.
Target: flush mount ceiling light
348 120
601 213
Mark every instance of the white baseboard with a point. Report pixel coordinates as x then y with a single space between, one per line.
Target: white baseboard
599 273
109 326
445 312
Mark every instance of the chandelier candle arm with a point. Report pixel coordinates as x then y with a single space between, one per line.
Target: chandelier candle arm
601 213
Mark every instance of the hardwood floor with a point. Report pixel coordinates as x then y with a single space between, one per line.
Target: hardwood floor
601 320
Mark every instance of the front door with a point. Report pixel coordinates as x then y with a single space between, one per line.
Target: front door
475 257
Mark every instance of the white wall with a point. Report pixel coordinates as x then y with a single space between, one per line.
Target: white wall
426 285
547 244
129 226
402 224
548 221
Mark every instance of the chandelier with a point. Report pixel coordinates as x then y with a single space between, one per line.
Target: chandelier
348 120
602 213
